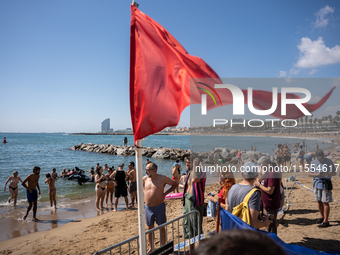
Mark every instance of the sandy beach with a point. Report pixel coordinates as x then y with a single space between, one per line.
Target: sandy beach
86 232
87 236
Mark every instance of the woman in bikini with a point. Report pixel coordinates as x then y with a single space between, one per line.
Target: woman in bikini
100 188
13 187
52 190
176 176
110 187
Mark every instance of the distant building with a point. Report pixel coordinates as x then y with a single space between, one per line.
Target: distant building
106 126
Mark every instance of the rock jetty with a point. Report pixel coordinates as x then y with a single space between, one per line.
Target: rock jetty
162 153
217 155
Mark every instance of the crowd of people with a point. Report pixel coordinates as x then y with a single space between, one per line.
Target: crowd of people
115 183
260 190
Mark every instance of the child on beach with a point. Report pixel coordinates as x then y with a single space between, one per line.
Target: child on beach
52 190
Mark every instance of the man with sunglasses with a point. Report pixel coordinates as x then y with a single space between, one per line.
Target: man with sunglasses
153 187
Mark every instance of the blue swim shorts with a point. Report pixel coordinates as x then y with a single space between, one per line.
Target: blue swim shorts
31 197
155 213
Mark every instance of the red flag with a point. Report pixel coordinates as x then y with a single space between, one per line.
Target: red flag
160 72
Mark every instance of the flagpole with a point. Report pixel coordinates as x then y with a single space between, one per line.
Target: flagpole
140 198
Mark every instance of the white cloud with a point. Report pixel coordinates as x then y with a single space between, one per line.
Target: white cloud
313 71
321 20
283 74
294 71
315 53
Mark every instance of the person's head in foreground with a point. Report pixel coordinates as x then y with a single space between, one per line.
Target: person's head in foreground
320 155
249 170
239 241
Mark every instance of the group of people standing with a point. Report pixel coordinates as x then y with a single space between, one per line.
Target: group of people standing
283 155
117 182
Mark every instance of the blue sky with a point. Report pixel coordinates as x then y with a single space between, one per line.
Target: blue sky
64 65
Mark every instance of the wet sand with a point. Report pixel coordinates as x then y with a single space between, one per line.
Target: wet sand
13 226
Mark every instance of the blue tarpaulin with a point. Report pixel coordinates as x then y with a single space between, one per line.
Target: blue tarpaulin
230 221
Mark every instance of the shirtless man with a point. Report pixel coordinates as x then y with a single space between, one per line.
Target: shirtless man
54 173
153 188
13 187
63 172
31 191
52 190
133 183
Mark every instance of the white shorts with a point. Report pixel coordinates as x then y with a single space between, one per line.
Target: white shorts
323 195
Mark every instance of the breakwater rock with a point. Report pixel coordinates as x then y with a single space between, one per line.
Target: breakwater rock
216 155
162 153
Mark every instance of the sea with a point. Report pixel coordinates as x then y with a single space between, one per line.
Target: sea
23 151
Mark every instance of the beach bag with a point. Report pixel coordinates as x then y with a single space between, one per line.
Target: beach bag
242 210
211 209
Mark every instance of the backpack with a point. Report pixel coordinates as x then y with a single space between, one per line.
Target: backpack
242 210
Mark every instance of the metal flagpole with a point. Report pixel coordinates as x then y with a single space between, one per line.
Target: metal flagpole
140 198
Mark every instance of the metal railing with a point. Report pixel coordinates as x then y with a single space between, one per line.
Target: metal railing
118 246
